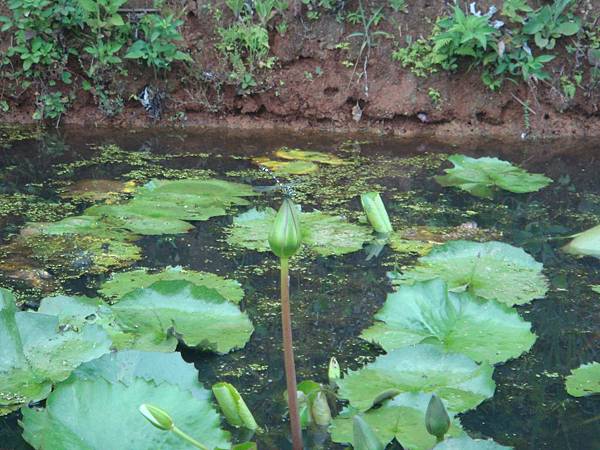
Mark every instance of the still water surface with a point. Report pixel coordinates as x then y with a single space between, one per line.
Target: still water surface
335 298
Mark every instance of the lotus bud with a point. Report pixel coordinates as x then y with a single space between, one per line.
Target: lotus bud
437 421
233 406
363 436
157 417
319 409
285 236
376 213
334 372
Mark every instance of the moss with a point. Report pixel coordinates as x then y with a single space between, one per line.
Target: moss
33 208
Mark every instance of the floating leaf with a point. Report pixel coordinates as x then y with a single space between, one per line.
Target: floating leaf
36 354
586 243
199 316
585 380
401 418
287 167
82 225
306 155
455 378
123 282
492 270
458 322
482 176
98 415
466 443
324 234
97 189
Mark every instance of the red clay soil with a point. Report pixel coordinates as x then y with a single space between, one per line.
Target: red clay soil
396 102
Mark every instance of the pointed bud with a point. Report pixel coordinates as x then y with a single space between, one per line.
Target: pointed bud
376 213
320 411
233 406
285 236
157 417
334 371
437 421
363 436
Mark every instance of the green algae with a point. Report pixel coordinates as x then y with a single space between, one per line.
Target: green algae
33 208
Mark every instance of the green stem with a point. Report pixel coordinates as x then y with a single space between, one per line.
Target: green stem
439 438
288 356
189 439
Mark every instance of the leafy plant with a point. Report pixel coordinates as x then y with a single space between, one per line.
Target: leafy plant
158 49
550 23
398 5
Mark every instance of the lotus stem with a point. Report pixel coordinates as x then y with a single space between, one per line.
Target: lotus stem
189 439
288 357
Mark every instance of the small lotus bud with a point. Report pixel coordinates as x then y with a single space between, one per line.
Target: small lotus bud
376 213
285 236
233 406
334 371
157 417
363 436
437 421
320 411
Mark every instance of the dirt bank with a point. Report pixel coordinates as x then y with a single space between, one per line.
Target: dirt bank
313 86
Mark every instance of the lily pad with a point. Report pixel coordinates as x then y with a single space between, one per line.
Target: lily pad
82 225
584 381
401 418
123 282
307 155
199 316
97 189
458 380
98 415
586 243
483 176
287 167
466 443
491 270
36 354
324 234
457 322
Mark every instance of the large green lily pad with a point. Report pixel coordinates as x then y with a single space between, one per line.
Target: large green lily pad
586 243
36 353
324 234
454 377
123 282
491 270
585 380
401 418
154 318
466 443
483 176
95 414
458 322
199 316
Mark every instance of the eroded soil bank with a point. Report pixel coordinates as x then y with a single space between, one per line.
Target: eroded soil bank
313 86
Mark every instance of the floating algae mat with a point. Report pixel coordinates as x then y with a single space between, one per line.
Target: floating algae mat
135 268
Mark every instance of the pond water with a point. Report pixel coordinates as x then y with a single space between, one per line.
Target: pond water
334 298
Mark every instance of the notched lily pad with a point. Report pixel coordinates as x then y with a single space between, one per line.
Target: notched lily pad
308 155
401 418
123 282
323 234
426 312
483 176
37 353
491 270
584 381
454 377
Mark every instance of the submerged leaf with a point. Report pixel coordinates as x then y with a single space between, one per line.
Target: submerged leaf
307 155
586 243
99 415
36 353
454 377
482 176
287 167
324 234
123 282
585 380
491 270
401 418
97 189
426 312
